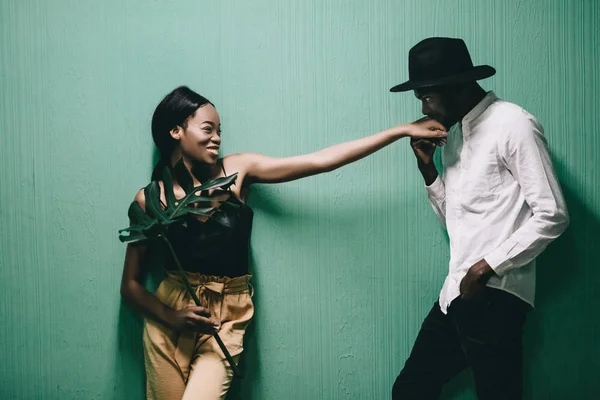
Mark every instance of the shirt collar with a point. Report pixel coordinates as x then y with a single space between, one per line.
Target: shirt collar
489 98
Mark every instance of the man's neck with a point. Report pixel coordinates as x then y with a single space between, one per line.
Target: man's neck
469 100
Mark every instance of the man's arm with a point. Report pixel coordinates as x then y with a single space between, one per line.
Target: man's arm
526 155
424 150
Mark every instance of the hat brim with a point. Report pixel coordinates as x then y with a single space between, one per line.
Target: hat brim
474 74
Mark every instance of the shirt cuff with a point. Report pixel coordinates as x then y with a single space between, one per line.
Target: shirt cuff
437 190
498 261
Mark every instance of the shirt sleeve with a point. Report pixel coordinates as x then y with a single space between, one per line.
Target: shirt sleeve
524 152
436 193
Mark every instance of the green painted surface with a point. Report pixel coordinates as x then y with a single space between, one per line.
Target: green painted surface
346 264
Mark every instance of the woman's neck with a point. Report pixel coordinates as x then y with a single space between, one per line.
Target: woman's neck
200 172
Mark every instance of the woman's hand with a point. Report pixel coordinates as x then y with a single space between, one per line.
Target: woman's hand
426 128
193 319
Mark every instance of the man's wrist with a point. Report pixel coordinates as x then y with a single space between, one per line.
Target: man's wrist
483 271
429 172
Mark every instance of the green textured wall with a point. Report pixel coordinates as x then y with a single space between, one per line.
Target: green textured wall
346 264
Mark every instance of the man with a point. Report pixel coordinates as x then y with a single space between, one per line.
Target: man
501 203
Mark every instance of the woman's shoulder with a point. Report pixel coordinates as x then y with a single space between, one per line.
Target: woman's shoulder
140 196
233 159
240 162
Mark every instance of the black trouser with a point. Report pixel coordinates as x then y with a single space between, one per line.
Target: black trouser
484 334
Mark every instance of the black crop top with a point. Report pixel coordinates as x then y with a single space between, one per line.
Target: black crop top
213 248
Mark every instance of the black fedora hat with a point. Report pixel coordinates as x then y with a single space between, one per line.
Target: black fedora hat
441 61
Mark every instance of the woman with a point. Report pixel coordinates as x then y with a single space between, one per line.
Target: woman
182 358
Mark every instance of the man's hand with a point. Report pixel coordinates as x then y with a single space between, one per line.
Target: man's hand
473 284
424 149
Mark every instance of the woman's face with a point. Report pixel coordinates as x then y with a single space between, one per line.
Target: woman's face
200 140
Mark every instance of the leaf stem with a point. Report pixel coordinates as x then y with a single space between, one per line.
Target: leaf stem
192 293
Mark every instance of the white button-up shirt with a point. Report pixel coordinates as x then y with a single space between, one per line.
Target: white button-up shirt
498 197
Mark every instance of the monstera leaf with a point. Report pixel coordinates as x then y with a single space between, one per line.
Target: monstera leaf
155 220
153 223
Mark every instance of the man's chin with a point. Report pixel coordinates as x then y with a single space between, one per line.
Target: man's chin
447 122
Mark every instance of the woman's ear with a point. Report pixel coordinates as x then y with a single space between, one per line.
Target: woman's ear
176 132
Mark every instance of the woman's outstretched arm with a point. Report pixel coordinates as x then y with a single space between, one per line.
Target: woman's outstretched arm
263 169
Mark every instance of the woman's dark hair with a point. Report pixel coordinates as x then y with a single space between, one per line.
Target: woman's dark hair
174 110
